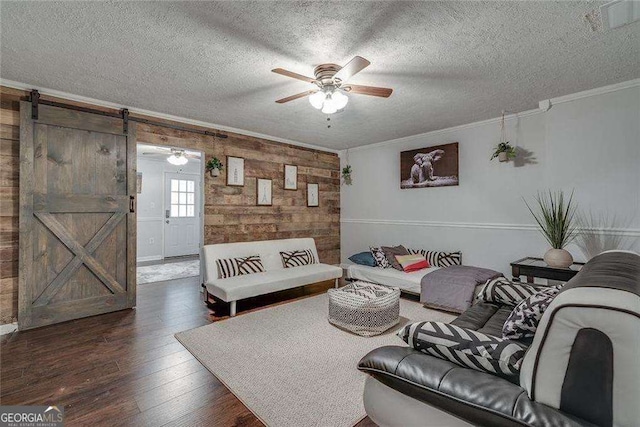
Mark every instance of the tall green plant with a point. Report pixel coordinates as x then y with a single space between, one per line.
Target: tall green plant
557 219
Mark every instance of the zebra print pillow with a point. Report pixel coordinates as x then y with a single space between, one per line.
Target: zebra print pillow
239 266
465 347
439 259
504 291
297 258
523 320
380 257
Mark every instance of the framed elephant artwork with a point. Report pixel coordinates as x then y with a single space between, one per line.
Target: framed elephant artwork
435 166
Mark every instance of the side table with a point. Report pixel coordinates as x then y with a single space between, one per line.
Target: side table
536 267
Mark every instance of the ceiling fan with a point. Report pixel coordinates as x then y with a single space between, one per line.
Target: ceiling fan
331 81
176 156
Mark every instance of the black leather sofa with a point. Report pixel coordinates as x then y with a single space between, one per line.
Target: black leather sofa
567 377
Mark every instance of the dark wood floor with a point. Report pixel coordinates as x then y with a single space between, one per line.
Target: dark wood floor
126 368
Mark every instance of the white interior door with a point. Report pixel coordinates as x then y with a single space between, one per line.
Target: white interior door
182 214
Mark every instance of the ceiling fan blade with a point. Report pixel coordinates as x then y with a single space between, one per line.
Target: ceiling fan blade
352 68
382 92
287 73
296 96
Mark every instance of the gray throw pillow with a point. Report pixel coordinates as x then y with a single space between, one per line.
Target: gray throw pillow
390 253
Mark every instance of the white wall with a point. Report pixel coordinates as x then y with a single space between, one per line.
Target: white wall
151 204
590 145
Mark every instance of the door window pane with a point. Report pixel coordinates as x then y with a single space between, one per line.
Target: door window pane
183 198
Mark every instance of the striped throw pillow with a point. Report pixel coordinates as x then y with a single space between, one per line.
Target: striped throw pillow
438 258
297 258
239 266
412 262
465 347
504 291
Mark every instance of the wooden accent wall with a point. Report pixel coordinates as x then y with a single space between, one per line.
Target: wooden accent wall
231 214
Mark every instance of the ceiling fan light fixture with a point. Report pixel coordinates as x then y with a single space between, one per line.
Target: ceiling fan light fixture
340 100
177 159
317 99
329 106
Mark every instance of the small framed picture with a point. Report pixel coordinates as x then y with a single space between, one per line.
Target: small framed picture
264 189
235 171
290 177
313 199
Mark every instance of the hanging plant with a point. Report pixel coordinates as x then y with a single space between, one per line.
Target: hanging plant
346 175
503 151
214 166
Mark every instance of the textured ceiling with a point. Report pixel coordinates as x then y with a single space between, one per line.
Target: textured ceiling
449 63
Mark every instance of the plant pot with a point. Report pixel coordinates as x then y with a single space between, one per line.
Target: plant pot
214 172
503 157
347 179
558 258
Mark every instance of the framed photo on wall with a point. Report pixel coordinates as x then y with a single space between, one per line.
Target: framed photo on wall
313 196
290 177
235 171
264 188
435 166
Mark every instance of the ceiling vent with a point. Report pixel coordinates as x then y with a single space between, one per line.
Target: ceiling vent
619 13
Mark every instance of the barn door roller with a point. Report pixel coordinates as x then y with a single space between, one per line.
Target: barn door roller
34 98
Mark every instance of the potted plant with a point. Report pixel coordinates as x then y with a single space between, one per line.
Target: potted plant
557 221
214 166
346 175
504 151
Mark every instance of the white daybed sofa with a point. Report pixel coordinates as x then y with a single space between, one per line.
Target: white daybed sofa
407 282
274 278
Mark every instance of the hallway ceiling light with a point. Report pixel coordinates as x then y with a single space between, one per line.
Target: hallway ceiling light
177 158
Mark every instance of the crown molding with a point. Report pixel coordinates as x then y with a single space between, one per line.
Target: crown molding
540 110
635 232
116 106
594 92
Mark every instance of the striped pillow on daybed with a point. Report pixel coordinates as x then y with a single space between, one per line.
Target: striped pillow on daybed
297 258
439 258
232 267
412 262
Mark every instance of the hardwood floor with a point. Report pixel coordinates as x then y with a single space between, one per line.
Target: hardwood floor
126 368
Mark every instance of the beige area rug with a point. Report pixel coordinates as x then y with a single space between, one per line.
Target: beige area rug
290 366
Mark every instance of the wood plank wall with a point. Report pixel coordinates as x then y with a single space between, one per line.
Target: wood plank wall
231 214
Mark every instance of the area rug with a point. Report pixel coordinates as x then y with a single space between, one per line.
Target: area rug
289 366
174 270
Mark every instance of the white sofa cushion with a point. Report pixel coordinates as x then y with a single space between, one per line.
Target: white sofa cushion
240 287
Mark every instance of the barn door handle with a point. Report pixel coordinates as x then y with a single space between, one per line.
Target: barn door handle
132 204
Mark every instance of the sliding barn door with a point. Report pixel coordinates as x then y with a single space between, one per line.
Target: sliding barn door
77 220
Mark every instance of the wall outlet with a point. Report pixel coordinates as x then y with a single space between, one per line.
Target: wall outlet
152 240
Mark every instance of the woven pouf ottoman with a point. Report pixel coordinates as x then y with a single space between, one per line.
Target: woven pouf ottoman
364 308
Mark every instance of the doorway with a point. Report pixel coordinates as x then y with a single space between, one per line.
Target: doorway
170 212
181 214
